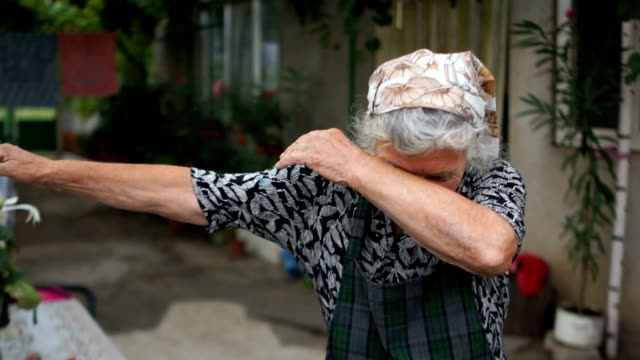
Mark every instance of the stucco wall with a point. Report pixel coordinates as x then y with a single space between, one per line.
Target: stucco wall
326 100
327 96
540 164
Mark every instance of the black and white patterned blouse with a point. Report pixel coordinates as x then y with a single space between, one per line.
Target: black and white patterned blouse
311 217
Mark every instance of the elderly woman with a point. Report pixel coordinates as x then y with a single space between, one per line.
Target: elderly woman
406 238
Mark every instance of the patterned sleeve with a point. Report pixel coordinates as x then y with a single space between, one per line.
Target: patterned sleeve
270 203
502 189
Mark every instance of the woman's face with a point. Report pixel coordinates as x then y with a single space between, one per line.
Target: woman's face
444 167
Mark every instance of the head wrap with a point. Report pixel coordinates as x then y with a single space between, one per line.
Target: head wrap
456 82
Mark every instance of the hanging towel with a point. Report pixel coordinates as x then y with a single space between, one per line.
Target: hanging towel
531 272
88 64
28 70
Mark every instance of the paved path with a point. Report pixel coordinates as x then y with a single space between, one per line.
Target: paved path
158 290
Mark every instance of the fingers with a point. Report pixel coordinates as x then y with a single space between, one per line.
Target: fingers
302 152
310 147
4 148
291 157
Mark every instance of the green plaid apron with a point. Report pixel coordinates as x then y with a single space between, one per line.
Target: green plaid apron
434 317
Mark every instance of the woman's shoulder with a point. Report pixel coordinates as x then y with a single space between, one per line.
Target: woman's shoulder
497 173
297 181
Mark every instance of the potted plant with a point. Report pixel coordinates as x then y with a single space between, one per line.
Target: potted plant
13 284
578 98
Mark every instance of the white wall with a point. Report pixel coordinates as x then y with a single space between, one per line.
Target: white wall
540 164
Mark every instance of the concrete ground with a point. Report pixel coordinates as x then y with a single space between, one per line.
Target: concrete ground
150 280
163 294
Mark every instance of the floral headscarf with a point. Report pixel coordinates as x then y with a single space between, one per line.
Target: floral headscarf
456 82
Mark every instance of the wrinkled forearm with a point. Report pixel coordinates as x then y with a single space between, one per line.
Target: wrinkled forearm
159 189
449 225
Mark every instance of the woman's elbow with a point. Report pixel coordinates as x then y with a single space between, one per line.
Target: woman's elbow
496 260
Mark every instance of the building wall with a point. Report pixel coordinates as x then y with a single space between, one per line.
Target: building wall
326 100
327 69
540 164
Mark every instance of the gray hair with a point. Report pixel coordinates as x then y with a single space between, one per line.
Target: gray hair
414 131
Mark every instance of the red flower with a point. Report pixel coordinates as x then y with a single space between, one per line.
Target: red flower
261 149
569 14
219 88
241 140
269 94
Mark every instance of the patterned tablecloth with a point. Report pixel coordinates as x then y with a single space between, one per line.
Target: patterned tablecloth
65 331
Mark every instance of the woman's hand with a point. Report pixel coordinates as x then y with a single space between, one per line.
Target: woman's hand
328 152
22 165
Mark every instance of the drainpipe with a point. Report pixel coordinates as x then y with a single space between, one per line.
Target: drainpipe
353 38
228 17
630 40
256 15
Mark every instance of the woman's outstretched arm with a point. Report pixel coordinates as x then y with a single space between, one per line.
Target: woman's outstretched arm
158 189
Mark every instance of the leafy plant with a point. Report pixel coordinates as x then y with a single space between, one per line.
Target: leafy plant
65 15
578 100
351 11
13 284
255 124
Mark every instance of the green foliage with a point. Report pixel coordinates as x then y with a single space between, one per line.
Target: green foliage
13 284
64 15
578 101
314 14
630 10
146 124
351 11
165 124
25 294
633 68
255 124
85 107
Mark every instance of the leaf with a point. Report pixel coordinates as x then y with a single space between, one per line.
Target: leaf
528 42
543 61
528 112
537 126
520 32
4 260
26 295
7 235
528 24
633 65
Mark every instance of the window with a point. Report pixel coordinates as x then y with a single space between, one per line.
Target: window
599 45
239 44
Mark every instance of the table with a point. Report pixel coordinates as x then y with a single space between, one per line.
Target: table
65 331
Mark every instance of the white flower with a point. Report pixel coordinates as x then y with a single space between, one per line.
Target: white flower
11 205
